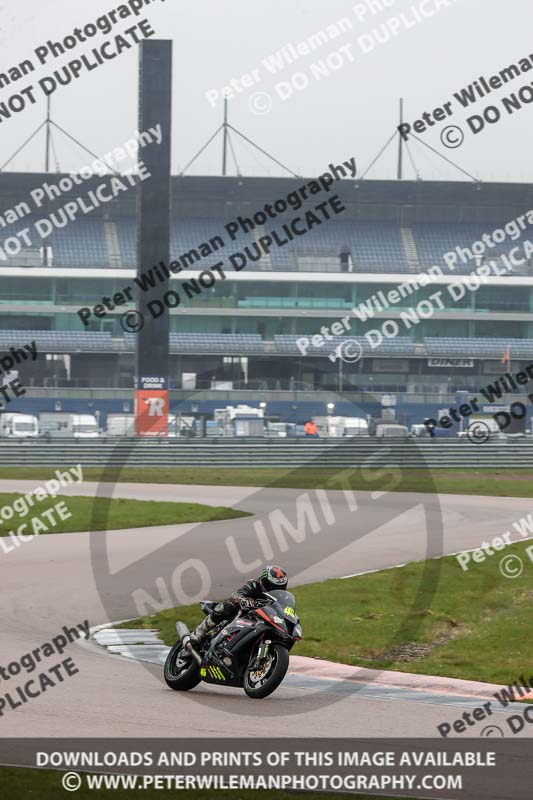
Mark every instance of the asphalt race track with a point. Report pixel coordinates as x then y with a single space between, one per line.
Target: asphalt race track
53 581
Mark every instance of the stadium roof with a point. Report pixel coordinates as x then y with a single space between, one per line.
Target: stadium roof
405 202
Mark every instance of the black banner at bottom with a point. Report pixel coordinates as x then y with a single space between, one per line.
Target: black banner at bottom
469 769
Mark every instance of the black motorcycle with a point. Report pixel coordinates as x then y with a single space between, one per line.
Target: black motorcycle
250 652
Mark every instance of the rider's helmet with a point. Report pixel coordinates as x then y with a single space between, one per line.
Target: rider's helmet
273 577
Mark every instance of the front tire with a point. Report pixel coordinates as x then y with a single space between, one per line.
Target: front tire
258 686
181 670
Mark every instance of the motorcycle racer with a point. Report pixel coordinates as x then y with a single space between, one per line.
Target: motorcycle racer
272 577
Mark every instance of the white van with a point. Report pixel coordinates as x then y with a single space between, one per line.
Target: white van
19 426
348 426
120 425
391 430
341 426
240 420
79 426
481 428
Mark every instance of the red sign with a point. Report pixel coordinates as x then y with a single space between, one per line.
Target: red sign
151 412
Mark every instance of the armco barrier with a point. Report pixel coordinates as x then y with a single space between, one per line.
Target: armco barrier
286 453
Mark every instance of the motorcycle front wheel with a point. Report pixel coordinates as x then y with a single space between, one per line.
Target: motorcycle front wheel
262 682
181 670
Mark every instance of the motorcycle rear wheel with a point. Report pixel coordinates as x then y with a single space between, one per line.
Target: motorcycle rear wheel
181 673
258 688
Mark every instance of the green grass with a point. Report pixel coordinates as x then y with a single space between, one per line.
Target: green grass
493 482
100 513
46 785
482 619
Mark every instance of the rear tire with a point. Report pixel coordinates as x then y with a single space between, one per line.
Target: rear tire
275 675
181 670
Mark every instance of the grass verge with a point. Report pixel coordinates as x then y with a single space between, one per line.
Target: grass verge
502 482
99 513
46 785
472 625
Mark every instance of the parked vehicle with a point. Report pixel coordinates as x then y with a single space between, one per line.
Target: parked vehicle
120 425
482 427
387 430
240 420
79 426
348 426
277 429
419 432
341 426
19 426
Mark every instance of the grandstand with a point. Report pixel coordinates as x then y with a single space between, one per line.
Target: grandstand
243 332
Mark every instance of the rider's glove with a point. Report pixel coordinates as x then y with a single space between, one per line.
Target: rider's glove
246 602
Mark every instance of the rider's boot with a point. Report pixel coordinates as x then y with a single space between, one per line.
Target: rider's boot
202 629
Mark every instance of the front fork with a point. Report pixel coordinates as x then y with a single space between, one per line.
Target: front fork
262 653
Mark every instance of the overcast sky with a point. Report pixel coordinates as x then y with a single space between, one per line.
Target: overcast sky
351 113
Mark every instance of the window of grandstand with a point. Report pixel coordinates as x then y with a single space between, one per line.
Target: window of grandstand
313 263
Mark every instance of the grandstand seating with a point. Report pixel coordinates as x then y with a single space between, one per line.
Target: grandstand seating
477 347
215 343
401 345
388 227
57 341
127 237
434 240
375 247
254 344
81 243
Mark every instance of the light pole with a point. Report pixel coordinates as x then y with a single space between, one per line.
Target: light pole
330 407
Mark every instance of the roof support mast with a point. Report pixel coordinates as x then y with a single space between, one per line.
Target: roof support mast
400 144
225 127
47 155
400 153
225 145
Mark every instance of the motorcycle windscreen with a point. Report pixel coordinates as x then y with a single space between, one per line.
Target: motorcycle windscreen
286 602
283 597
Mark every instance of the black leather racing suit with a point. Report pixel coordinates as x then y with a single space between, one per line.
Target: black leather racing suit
227 609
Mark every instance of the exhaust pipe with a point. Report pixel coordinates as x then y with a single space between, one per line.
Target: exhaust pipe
185 638
182 630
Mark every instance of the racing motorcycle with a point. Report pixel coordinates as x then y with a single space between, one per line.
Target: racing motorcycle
250 652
